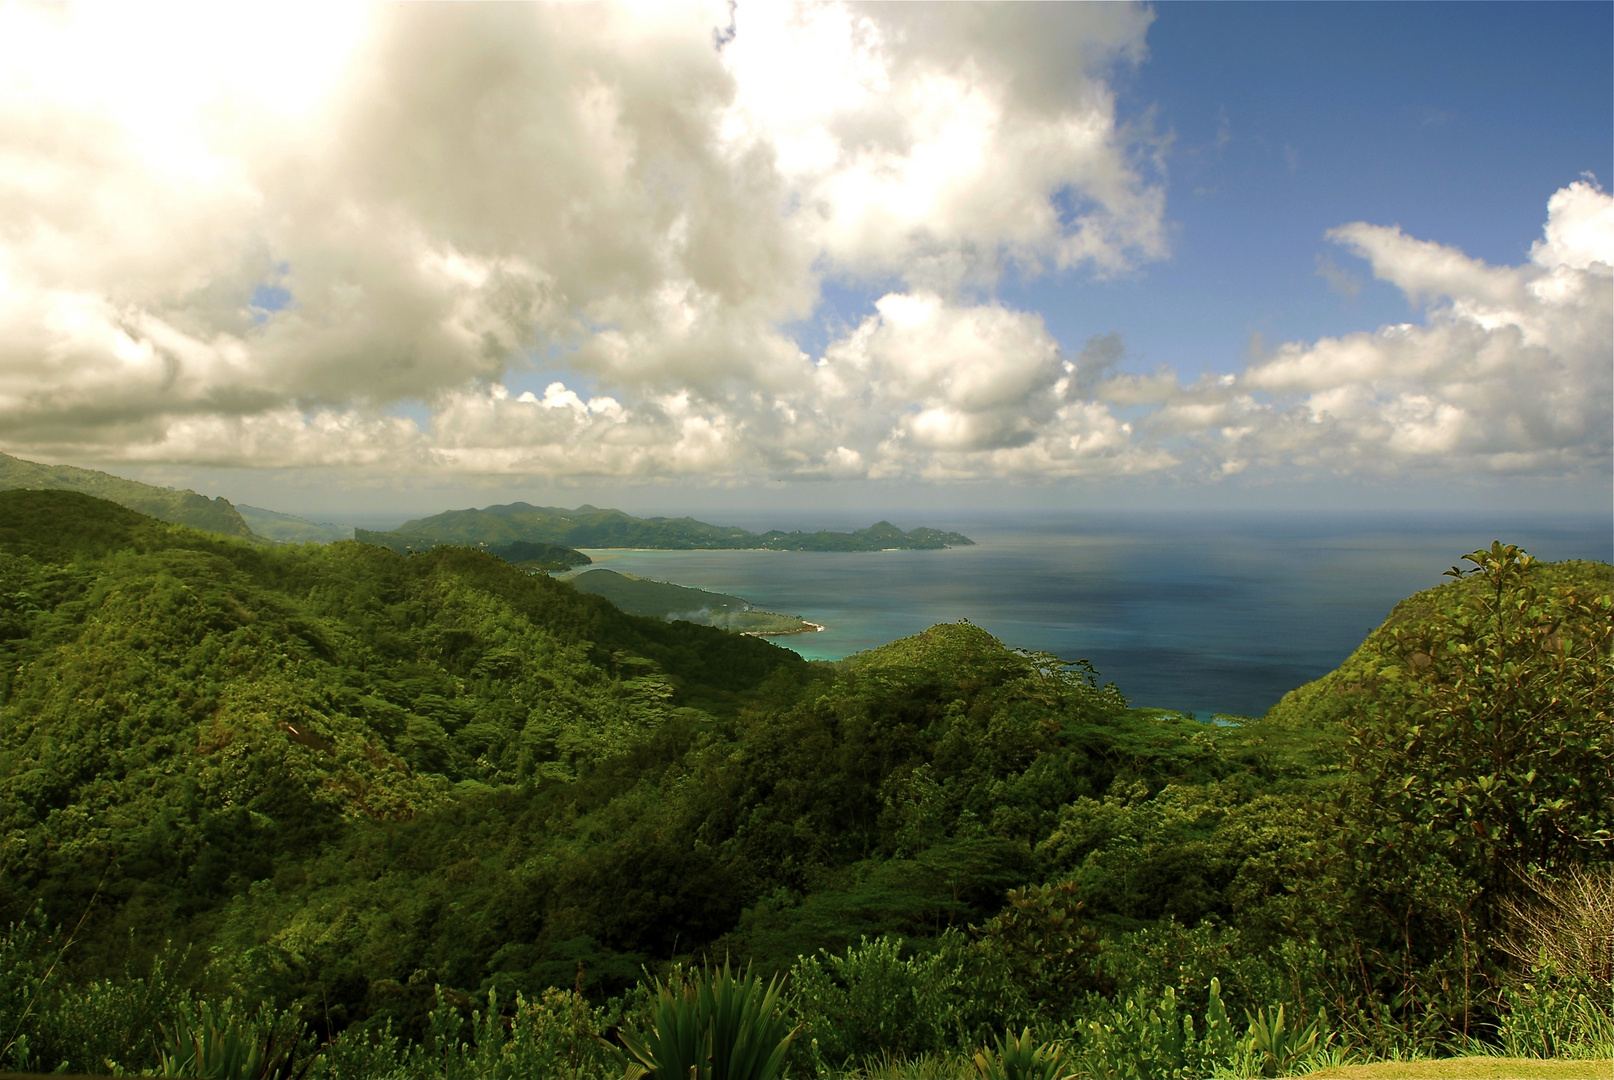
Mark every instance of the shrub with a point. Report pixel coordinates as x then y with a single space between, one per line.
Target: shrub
874 1000
1484 756
1049 950
1148 1038
50 1024
221 1044
1567 925
1549 1017
1151 1037
554 1037
710 1025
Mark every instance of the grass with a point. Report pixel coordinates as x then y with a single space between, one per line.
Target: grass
1472 1068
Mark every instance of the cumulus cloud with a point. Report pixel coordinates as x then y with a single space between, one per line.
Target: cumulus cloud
639 208
935 148
448 196
1511 370
952 391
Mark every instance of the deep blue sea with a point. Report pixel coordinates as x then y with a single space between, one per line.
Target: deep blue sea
1210 614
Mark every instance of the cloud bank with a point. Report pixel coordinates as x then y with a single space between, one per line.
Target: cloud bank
241 237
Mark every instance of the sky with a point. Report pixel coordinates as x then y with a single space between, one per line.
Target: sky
349 261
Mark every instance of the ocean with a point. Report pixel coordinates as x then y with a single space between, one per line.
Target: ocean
1202 613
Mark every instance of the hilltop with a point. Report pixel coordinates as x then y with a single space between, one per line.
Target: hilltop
591 527
532 537
232 710
1374 669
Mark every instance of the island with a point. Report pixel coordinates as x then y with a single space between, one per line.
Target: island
673 603
591 527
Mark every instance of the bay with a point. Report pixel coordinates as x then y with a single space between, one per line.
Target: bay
1201 613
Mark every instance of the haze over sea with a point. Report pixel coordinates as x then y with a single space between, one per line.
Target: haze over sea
1203 613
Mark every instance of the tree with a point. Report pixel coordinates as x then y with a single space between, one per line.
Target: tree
1487 757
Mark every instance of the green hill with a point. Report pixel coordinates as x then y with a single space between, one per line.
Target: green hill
538 557
232 709
218 730
661 600
165 504
591 527
1375 670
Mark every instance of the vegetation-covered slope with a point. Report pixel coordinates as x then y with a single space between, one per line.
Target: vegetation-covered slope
182 714
188 716
344 777
1362 679
589 526
164 504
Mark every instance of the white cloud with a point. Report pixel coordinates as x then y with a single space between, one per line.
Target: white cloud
446 192
274 438
930 151
1511 370
1580 229
454 197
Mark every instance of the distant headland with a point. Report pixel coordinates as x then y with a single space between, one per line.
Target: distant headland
592 527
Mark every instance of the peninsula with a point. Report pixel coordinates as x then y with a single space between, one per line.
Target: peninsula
675 603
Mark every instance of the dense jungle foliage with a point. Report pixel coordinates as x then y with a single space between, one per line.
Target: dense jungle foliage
432 813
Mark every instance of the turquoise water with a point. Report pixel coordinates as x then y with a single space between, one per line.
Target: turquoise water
1209 614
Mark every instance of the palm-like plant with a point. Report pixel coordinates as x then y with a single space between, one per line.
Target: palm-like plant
1272 1048
1023 1059
713 1025
215 1047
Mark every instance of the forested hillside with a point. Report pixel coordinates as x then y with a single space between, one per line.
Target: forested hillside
165 504
367 786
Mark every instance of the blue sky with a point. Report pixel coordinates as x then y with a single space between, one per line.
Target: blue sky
365 259
1456 121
